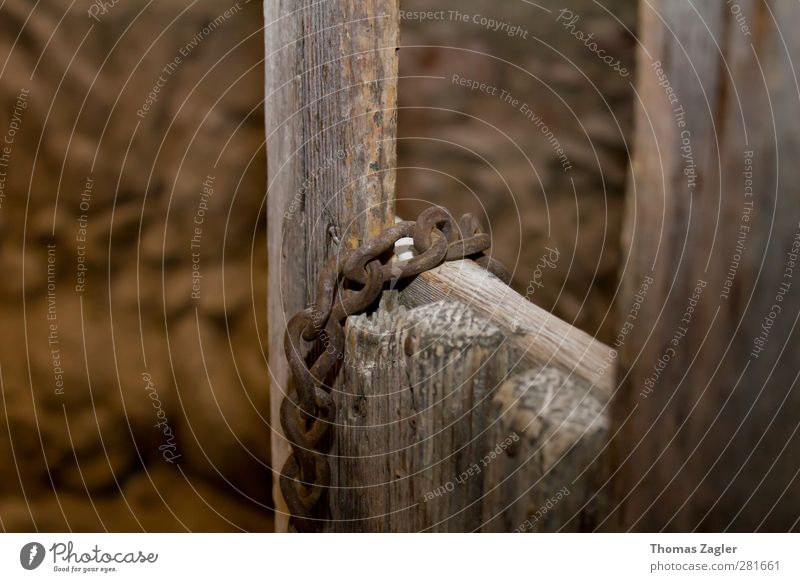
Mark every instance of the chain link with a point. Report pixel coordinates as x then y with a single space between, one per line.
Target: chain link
308 411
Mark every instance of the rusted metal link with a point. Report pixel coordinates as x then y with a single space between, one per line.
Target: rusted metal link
433 256
301 498
304 434
327 281
435 221
353 302
354 264
347 285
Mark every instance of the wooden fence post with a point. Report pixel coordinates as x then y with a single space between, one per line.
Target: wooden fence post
331 94
707 413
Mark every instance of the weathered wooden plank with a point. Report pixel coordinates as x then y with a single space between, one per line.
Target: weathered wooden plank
552 483
444 424
331 93
707 411
539 337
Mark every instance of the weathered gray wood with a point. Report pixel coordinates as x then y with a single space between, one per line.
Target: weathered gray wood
563 427
331 92
443 425
420 384
707 413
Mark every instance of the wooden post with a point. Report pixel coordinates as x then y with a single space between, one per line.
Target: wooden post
331 94
467 408
707 412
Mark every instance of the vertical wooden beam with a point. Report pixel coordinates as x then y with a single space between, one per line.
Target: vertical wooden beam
410 419
331 95
707 409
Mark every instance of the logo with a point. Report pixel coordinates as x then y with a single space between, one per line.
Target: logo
31 555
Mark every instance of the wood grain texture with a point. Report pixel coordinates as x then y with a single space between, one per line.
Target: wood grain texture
707 412
331 96
539 337
441 426
412 410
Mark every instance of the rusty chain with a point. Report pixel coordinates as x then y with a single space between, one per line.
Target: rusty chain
308 411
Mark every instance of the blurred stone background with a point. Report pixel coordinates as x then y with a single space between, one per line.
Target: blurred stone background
132 360
90 458
474 151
